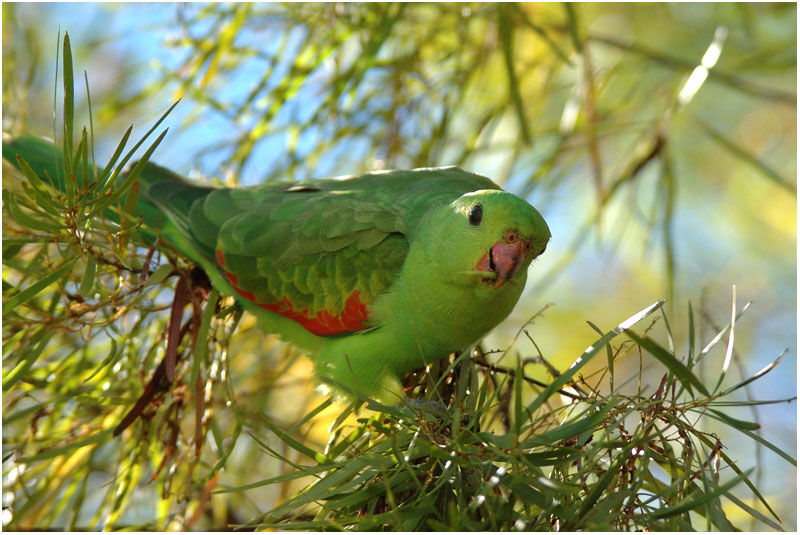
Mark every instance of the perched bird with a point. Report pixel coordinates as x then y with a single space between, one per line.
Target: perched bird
373 275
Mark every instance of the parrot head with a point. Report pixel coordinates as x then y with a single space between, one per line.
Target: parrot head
488 237
519 232
508 234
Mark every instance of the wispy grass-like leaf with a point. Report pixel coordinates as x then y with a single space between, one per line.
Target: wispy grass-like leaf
675 366
33 290
69 114
96 438
43 222
590 352
700 500
30 352
746 157
760 373
293 443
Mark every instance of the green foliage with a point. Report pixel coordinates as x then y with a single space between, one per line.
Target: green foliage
86 303
593 462
79 292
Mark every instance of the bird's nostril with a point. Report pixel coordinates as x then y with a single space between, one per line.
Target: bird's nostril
526 245
511 237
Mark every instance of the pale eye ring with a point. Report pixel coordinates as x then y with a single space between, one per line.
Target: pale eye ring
475 215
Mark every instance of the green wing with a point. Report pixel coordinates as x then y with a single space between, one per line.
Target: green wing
320 252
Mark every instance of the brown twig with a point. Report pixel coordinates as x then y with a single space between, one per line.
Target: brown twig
182 295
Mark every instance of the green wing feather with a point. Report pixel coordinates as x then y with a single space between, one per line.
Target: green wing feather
313 250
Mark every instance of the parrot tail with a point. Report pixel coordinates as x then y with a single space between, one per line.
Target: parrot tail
164 198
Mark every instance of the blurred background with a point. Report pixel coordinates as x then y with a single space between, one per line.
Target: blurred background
657 140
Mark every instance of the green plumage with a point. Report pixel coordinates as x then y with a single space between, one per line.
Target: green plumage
374 275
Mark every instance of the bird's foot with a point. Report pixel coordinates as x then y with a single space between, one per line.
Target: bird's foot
429 405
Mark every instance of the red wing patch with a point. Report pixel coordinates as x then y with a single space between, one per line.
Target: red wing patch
353 316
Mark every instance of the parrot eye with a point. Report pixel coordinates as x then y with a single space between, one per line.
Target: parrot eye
475 215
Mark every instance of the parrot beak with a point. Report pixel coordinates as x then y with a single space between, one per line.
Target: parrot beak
504 259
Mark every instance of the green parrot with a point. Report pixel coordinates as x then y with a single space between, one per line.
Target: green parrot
373 275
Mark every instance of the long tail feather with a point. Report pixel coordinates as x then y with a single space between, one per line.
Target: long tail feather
165 198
